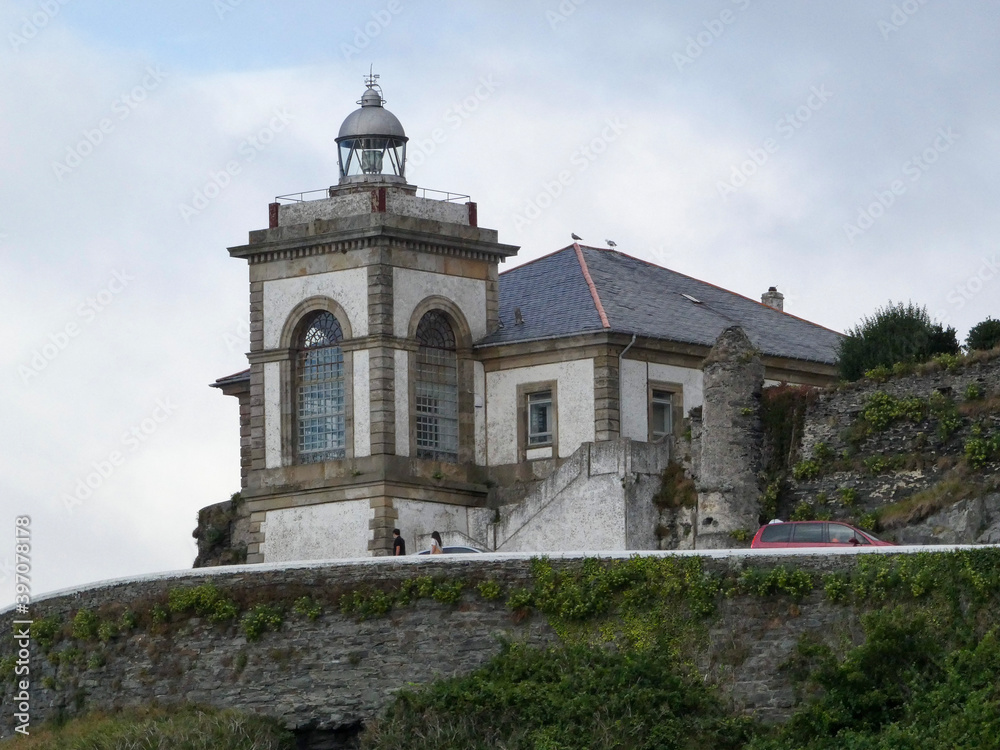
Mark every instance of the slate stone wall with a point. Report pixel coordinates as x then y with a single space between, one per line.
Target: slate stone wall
915 454
334 673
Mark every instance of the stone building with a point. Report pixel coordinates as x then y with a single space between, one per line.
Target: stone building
398 380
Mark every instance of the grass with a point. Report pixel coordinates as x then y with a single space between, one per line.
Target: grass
187 728
914 509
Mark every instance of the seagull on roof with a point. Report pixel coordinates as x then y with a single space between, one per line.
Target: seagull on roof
611 243
575 236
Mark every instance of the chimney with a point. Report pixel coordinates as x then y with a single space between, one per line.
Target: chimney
773 298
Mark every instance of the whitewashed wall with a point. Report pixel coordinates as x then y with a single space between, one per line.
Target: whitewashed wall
575 406
417 519
317 532
636 376
349 289
400 378
410 287
362 401
272 414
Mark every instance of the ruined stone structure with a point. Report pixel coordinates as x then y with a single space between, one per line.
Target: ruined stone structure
398 380
729 478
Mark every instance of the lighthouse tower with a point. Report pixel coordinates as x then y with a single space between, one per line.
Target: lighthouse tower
363 405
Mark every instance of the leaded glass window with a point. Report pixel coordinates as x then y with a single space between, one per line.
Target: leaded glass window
436 404
322 430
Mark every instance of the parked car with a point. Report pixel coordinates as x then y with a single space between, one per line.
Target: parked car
813 534
453 550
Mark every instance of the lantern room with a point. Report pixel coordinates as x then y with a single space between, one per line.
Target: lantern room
372 144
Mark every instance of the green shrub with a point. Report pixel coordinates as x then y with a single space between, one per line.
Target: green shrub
894 333
572 697
106 631
490 590
984 335
881 410
806 469
45 631
973 392
85 625
848 496
307 607
205 600
261 618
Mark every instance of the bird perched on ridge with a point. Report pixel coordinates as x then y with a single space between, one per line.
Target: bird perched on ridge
575 236
611 243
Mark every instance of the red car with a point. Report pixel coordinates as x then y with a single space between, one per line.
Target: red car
813 534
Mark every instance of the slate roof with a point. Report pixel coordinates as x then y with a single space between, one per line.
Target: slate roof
642 298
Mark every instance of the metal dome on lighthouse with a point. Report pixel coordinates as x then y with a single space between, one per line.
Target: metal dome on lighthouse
371 145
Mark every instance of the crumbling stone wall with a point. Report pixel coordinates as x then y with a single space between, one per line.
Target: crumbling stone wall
859 475
731 439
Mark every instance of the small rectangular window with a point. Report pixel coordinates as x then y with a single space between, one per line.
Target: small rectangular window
661 415
539 418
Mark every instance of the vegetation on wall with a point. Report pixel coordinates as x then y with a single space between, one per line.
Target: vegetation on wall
629 634
190 728
923 675
894 333
783 410
677 490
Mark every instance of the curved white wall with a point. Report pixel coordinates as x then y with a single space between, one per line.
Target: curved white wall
349 289
410 287
317 532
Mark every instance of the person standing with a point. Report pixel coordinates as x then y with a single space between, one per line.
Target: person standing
398 544
436 546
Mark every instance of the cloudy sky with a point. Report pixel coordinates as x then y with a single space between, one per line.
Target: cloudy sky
844 152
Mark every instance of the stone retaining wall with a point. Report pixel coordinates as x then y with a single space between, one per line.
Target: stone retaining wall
336 672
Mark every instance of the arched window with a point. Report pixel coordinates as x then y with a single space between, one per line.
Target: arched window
436 404
321 398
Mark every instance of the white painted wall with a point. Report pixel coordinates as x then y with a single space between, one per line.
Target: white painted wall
401 378
692 380
479 398
272 414
410 287
362 402
349 289
635 409
317 532
575 406
636 376
417 519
